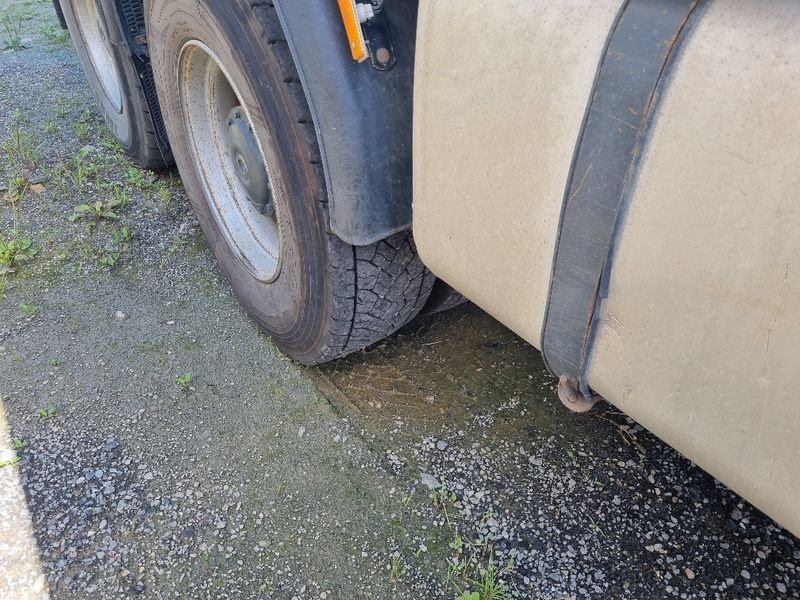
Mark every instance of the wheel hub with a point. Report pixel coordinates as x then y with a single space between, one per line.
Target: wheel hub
247 163
227 146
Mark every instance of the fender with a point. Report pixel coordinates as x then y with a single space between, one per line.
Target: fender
362 116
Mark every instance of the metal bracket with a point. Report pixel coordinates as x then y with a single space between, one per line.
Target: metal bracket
379 42
573 399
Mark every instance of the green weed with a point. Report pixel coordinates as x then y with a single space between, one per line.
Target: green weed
136 177
122 236
54 34
81 168
396 569
17 186
105 256
61 106
489 586
108 258
472 570
120 196
11 461
95 212
29 309
46 414
12 31
13 252
110 143
164 194
442 499
81 130
183 381
85 250
595 526
19 148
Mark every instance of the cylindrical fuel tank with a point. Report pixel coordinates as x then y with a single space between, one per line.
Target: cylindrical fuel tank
680 295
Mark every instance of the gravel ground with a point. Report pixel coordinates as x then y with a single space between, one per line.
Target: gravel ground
435 462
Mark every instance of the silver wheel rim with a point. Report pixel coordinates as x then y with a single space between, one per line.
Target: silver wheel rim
230 160
95 39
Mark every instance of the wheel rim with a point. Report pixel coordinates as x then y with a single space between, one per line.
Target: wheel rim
230 160
98 47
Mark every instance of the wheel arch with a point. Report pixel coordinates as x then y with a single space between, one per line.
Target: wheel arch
362 116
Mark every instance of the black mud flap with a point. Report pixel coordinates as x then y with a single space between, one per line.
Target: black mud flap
132 24
362 115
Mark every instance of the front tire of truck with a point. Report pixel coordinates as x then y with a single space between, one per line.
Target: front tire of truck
113 78
247 151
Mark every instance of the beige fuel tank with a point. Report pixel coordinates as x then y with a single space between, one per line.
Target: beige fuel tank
692 328
499 97
699 337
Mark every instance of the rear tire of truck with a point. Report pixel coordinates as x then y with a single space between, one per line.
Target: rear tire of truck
60 14
112 76
246 148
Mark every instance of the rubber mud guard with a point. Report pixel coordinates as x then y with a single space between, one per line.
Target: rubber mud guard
362 116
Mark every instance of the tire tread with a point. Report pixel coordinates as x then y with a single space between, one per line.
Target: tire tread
376 288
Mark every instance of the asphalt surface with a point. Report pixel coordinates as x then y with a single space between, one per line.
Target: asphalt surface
155 444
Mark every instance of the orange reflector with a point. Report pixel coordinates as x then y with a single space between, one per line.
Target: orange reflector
352 27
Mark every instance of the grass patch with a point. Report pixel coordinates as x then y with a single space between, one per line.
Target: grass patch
184 381
29 309
11 25
46 414
13 252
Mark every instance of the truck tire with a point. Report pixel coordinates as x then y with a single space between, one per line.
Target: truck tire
112 76
60 14
442 298
247 151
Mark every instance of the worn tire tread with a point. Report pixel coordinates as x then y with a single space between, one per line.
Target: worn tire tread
372 290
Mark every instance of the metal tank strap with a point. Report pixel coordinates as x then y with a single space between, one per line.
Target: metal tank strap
642 43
